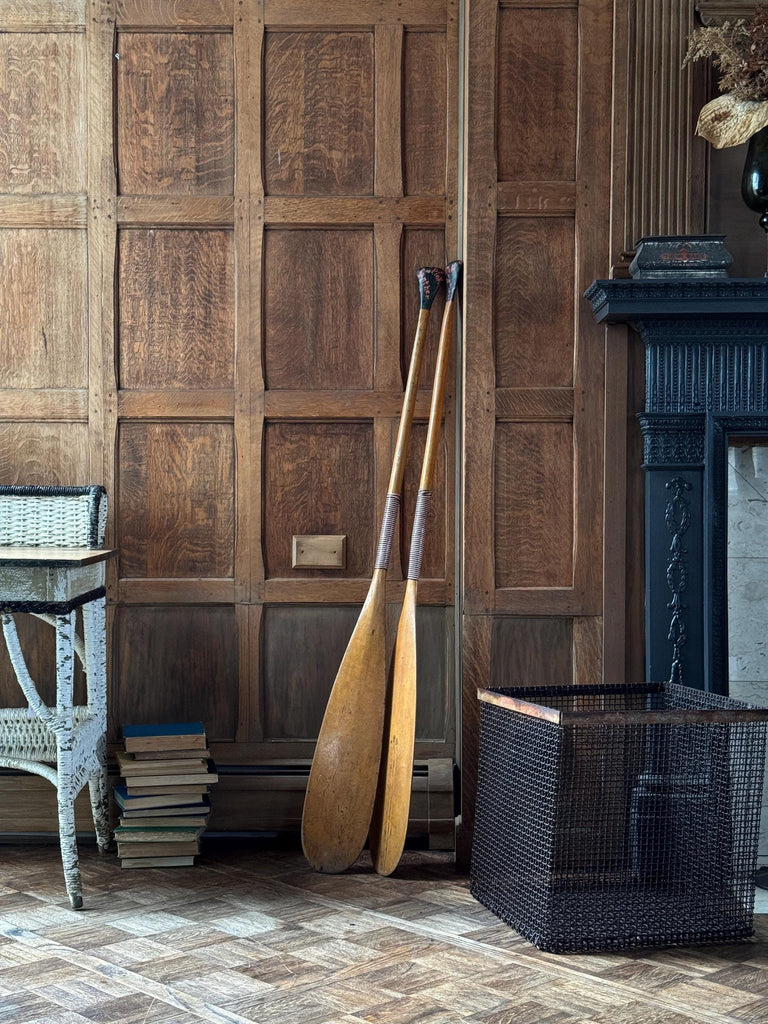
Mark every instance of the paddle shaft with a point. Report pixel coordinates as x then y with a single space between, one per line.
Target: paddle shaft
412 384
342 782
390 818
453 272
395 486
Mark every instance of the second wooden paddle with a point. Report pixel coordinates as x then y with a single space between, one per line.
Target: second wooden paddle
342 781
390 818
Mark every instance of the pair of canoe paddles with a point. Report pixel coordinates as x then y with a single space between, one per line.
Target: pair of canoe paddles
360 782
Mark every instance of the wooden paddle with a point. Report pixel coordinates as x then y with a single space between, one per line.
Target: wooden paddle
342 781
393 799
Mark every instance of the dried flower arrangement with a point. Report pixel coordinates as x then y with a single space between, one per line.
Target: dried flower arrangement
740 52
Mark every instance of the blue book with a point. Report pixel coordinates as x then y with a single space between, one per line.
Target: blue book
168 736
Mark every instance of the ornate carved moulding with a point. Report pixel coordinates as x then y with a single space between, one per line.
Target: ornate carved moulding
715 12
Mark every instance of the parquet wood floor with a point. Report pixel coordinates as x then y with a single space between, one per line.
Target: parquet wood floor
252 934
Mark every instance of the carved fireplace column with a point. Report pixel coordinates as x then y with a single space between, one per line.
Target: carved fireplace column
706 344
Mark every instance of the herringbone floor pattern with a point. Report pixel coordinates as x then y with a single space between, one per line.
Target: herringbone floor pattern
252 934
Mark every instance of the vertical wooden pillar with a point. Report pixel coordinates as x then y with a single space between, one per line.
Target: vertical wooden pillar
248 41
660 163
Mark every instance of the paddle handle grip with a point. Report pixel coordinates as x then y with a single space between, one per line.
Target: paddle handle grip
387 531
430 279
418 531
452 275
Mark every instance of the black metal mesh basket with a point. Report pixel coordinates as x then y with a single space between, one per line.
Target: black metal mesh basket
617 816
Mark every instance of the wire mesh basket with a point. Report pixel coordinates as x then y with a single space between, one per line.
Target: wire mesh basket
616 816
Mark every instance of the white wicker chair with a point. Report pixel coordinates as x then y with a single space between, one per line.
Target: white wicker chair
65 744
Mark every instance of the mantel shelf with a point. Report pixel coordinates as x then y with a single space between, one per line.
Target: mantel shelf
628 301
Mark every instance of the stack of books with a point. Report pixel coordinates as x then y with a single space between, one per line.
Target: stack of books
163 801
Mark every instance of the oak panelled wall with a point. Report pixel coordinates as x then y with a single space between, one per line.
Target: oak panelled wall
44 369
211 216
538 175
158 316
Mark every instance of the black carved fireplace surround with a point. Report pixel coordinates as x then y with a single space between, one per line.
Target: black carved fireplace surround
706 345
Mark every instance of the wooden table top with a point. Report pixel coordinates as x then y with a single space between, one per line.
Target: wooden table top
40 557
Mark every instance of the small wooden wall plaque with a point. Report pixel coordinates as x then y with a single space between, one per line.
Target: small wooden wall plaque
320 551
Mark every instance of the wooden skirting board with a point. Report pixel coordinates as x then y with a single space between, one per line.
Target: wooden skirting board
253 798
271 798
28 805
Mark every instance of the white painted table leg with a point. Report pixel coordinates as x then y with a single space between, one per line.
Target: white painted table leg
66 791
94 632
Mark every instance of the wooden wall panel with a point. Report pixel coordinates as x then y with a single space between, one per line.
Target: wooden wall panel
302 649
318 309
318 479
538 60
184 14
42 105
533 302
44 453
243 194
318 113
176 664
424 119
44 353
538 172
476 644
531 652
44 15
176 499
534 526
29 805
175 113
176 309
434 670
43 312
38 642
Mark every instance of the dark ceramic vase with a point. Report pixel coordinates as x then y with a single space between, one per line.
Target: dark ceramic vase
754 181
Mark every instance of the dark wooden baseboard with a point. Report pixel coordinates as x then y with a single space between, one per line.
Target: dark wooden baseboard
249 798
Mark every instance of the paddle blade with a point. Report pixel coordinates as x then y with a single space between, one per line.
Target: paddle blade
342 781
393 800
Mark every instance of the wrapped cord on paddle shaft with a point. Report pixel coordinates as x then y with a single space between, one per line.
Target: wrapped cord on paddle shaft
417 534
386 533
